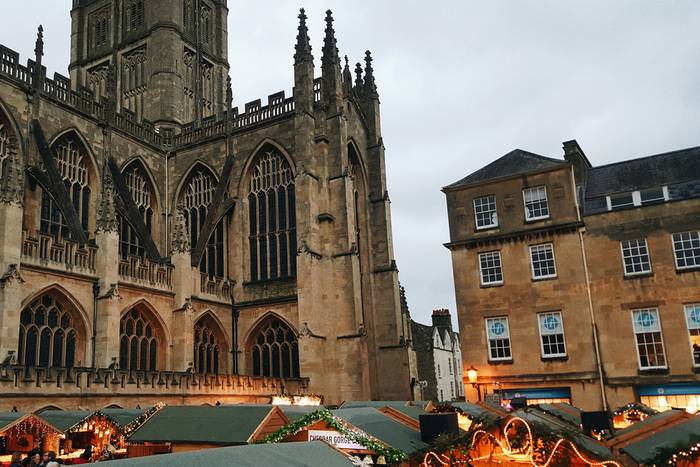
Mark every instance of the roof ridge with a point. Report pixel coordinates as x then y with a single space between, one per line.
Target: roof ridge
627 161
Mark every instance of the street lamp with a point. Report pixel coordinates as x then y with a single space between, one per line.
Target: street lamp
473 377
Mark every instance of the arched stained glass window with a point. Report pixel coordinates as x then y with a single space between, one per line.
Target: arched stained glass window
197 196
275 351
142 194
272 216
47 334
72 163
207 346
138 342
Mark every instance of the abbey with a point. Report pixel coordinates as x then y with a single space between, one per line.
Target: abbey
159 244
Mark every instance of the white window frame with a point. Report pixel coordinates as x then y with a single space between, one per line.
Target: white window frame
675 253
500 267
636 344
545 332
546 200
624 264
506 336
532 263
637 198
687 309
494 217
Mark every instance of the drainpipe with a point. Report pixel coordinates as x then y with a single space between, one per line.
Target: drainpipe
95 295
235 313
596 343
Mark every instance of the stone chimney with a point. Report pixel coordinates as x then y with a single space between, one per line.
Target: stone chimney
442 319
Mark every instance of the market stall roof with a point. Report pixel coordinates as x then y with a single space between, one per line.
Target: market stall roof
375 404
225 425
314 453
64 420
563 411
382 427
410 411
565 430
676 437
477 412
8 418
651 422
123 417
293 412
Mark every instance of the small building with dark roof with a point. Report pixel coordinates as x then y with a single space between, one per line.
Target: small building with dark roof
578 284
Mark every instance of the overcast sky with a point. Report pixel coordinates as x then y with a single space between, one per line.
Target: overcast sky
463 82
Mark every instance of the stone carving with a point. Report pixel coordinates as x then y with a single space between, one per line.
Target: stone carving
12 173
181 239
12 274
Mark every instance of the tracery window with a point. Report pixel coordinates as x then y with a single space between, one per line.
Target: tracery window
275 351
71 161
47 334
207 349
4 145
134 80
140 188
100 28
197 196
138 342
272 216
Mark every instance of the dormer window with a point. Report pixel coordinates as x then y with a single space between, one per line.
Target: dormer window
536 206
638 198
485 212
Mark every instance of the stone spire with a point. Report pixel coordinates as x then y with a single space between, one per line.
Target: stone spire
38 55
107 211
330 44
181 239
370 84
303 47
347 75
229 94
359 82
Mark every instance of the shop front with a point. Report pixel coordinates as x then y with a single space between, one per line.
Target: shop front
537 395
664 397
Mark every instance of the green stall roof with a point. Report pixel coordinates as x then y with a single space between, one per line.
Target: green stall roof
123 417
411 411
651 420
566 412
8 418
382 427
681 436
225 425
64 420
475 412
374 404
312 454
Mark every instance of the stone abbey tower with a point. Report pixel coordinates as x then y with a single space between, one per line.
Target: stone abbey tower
159 244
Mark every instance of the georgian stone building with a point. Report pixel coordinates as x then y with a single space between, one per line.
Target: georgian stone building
155 240
578 283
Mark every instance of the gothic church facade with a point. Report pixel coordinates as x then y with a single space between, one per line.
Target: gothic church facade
150 228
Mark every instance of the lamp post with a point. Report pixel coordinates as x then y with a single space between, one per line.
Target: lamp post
473 378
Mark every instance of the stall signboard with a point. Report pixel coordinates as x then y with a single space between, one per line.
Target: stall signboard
336 439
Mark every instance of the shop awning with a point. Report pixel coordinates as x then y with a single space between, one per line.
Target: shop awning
678 389
537 393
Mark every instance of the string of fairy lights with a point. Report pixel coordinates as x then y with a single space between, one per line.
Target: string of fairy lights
522 454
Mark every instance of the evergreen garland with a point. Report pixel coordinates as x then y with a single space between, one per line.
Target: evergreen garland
392 455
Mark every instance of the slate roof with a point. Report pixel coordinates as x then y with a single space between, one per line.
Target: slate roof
383 427
225 425
8 418
682 435
311 454
64 419
514 163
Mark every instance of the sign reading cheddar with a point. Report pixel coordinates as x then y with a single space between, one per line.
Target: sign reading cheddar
334 439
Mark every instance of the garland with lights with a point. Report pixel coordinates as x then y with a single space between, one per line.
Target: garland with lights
392 455
680 453
635 407
523 449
